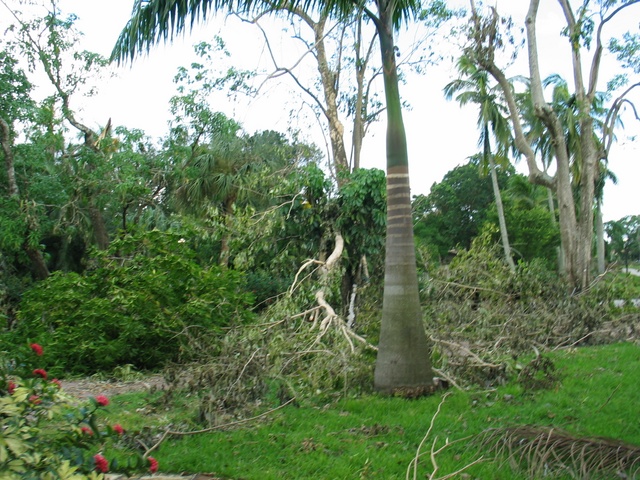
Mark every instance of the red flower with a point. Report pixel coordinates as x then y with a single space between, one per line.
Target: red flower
102 465
87 430
118 429
38 372
35 399
36 348
57 382
102 400
11 387
153 464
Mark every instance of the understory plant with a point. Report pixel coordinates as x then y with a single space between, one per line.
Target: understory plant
138 303
48 435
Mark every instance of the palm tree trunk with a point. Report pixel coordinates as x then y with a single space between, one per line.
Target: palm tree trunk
599 238
499 207
554 222
403 360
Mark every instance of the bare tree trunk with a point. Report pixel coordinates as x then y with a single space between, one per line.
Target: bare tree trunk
499 207
5 143
362 96
39 266
330 85
576 220
552 211
600 239
100 233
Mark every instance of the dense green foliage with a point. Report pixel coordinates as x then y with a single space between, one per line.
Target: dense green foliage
624 235
142 302
455 211
205 255
532 234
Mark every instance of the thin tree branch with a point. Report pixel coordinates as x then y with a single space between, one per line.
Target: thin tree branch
169 432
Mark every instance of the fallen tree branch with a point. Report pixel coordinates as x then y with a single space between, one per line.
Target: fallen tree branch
217 427
300 270
464 351
336 254
414 462
447 378
243 370
472 287
544 451
330 316
333 318
434 452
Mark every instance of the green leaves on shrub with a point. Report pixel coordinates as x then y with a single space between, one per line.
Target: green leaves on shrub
143 302
47 435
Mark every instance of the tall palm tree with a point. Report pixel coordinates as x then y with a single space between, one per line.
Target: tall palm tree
404 354
474 87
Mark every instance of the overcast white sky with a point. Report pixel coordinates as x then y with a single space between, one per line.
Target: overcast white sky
441 135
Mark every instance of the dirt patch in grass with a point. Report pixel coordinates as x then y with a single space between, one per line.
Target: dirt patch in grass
89 387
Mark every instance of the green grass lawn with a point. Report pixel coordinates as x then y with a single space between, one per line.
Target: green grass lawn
375 437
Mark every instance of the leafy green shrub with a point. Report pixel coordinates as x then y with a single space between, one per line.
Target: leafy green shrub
143 302
266 287
46 435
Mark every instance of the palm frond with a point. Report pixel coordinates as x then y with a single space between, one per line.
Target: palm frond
155 21
548 452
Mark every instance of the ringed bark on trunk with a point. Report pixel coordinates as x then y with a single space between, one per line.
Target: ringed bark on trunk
403 352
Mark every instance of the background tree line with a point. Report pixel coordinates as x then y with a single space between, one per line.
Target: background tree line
159 242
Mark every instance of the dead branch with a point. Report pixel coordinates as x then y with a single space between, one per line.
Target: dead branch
305 313
336 254
333 318
414 462
243 369
465 352
434 452
471 287
300 270
447 378
609 397
169 432
330 316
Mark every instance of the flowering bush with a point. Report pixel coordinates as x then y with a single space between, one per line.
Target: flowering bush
47 435
37 349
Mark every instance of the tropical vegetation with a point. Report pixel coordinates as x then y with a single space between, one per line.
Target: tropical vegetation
259 276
